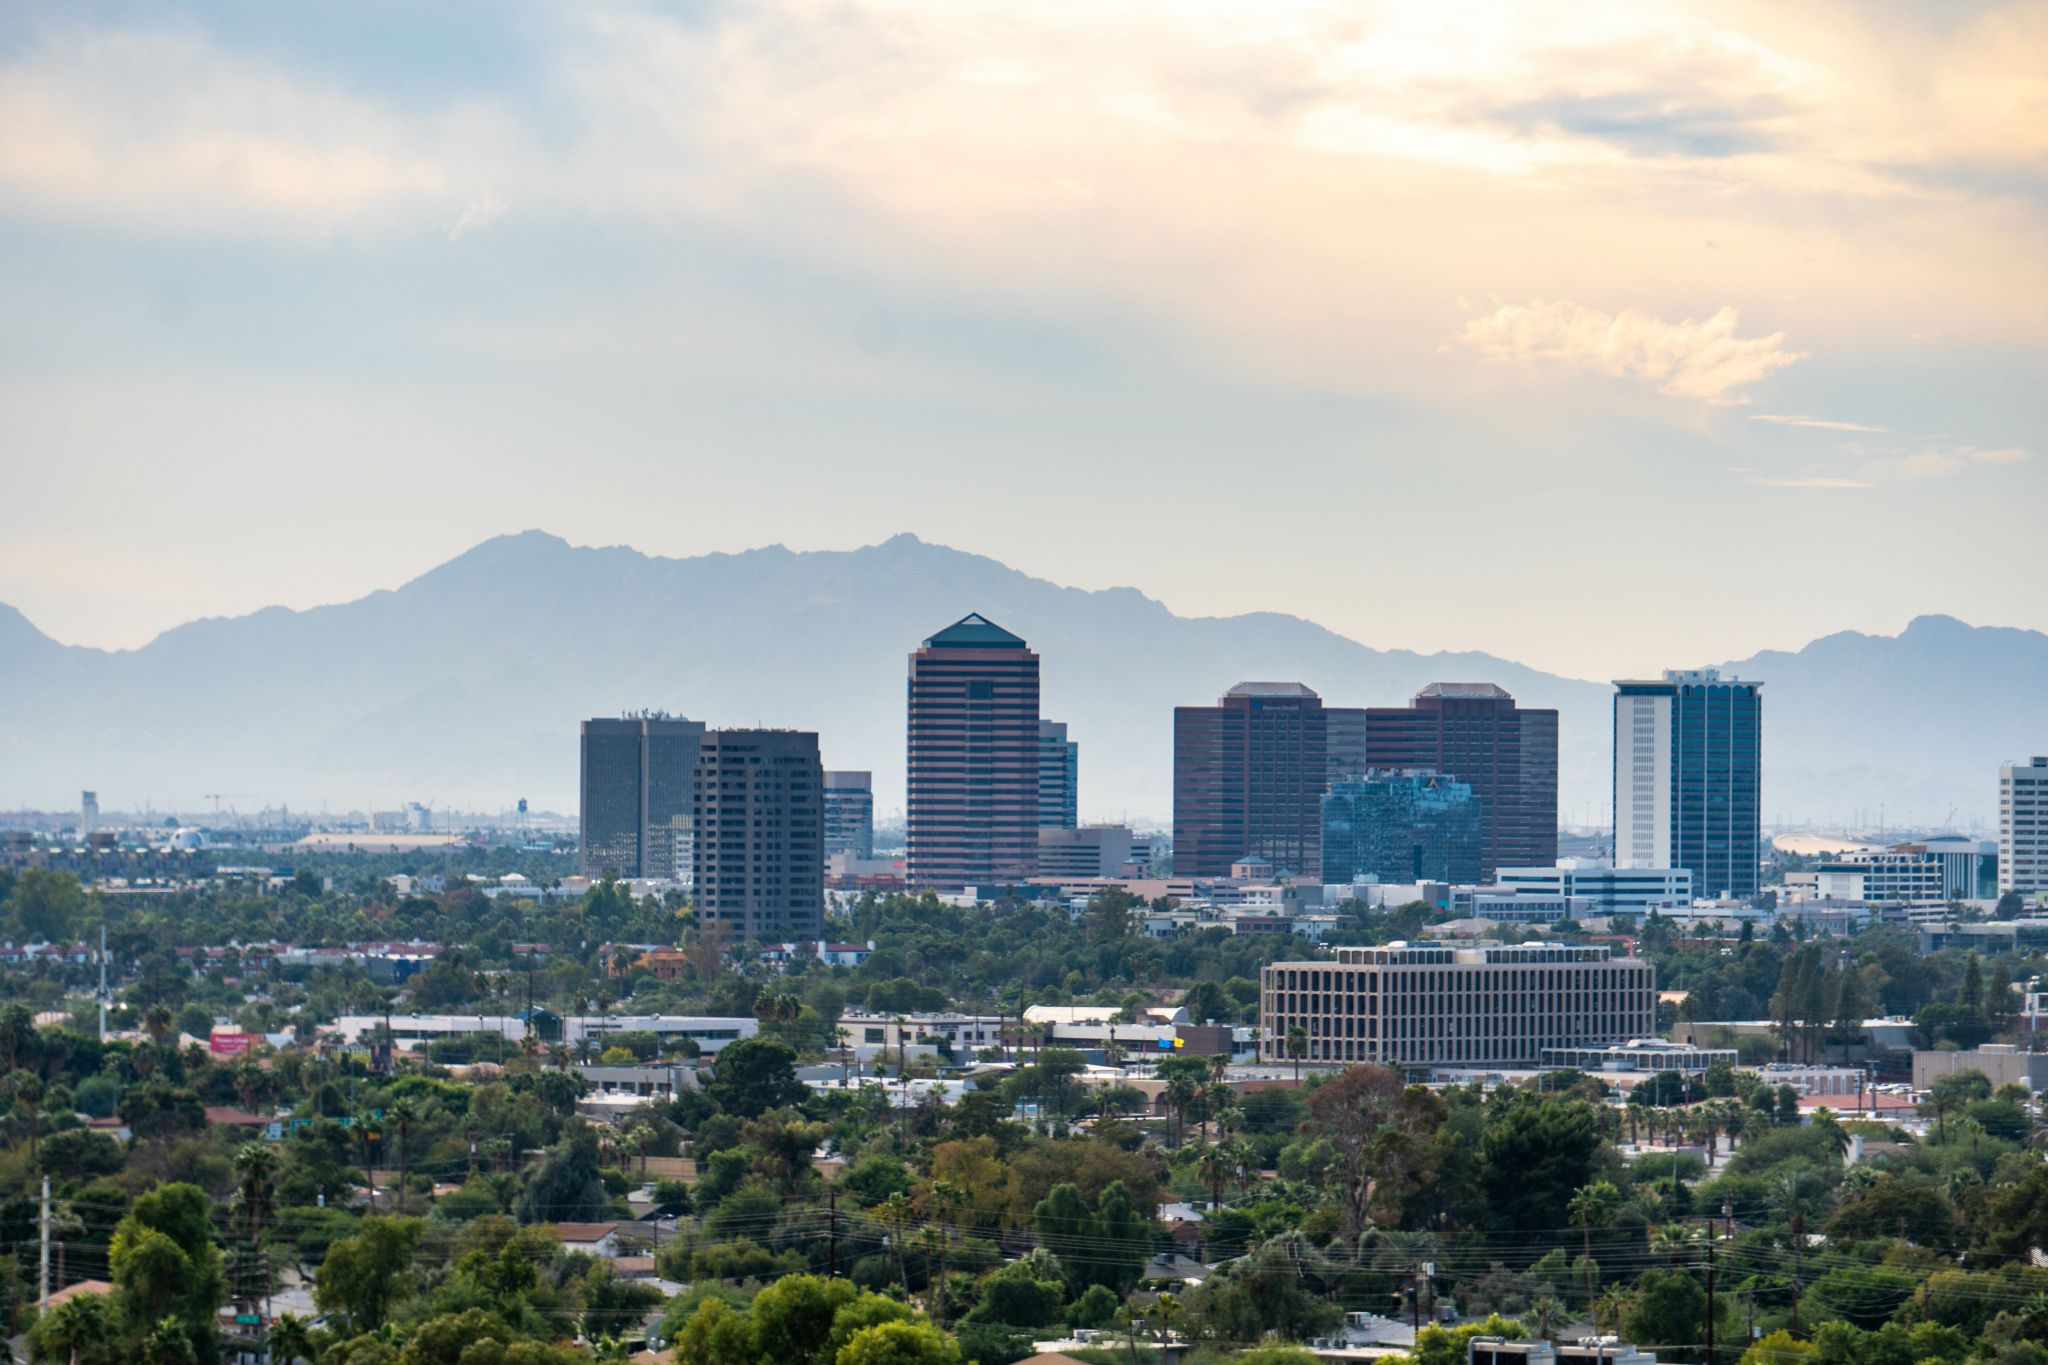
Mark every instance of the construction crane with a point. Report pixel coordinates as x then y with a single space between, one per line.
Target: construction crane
216 797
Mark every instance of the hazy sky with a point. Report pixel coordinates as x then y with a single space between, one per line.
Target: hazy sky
1604 337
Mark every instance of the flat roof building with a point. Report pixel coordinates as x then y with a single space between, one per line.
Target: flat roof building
2023 826
759 845
636 783
1476 734
1248 779
1479 1004
850 813
1688 766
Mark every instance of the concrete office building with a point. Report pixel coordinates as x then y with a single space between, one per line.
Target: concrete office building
1084 851
759 815
1402 827
1688 760
637 782
2023 826
88 812
1248 780
1599 887
850 813
1059 777
973 758
1475 733
1480 1004
1927 872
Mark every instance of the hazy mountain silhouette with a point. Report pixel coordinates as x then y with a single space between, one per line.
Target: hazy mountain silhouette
465 686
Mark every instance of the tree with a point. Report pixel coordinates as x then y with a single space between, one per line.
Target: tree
1779 1348
1669 1309
1538 1150
566 1188
165 1264
1592 1206
755 1075
25 1088
45 906
899 1343
290 1340
79 1331
1375 1125
364 1275
792 1318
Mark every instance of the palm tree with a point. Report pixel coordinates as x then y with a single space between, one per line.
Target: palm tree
1297 1048
157 1021
79 1325
26 1089
256 1164
1593 1206
403 1114
583 1027
1547 1314
290 1340
168 1343
1181 1092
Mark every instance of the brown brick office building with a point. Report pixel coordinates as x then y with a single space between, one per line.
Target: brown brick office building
973 758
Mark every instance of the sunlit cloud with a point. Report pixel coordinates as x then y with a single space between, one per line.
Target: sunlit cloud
1816 482
1816 423
1942 462
1705 360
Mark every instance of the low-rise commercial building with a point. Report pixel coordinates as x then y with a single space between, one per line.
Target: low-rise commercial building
1638 1054
1927 872
1478 1004
1599 887
2001 1063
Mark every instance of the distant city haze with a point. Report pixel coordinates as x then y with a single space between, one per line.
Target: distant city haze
466 687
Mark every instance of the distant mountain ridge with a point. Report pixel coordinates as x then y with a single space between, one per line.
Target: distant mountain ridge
465 685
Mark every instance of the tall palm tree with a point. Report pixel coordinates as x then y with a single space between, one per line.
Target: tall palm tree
403 1115
1592 1206
1547 1315
26 1090
1297 1048
168 1343
157 1021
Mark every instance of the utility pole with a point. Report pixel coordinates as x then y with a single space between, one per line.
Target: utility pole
1710 1294
103 978
43 1278
833 1243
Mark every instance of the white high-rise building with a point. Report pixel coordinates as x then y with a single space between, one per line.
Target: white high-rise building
88 812
2023 826
1688 758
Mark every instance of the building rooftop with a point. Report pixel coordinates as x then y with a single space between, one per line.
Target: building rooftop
1484 691
974 631
1271 689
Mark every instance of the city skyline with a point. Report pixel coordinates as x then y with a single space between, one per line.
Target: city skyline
298 317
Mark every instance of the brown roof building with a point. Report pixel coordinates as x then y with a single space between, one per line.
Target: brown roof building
1476 734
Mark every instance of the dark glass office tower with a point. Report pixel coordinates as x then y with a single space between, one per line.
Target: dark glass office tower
1059 777
1248 779
758 815
1688 778
637 775
1402 827
850 813
1475 733
972 795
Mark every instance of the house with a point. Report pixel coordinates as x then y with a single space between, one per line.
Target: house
592 1239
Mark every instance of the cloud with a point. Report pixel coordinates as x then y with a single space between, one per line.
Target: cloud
1942 463
476 215
1813 483
1818 423
1690 359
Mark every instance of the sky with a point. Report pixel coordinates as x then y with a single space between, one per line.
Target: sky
1603 337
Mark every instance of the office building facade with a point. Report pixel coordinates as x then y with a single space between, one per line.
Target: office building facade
1085 851
1688 771
758 811
1402 827
637 783
1248 780
1475 733
1930 871
1599 887
1059 777
2023 826
850 813
1482 1004
972 807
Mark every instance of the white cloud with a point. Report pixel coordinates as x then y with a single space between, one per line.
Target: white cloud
1941 462
1814 482
1817 423
1705 360
476 215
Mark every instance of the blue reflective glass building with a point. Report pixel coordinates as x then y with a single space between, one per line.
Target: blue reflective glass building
1688 778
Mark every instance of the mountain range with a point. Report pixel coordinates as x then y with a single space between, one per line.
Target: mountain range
465 686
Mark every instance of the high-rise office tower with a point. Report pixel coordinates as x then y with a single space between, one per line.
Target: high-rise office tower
1344 749
1688 761
2023 826
850 813
1402 827
1248 779
637 776
1059 774
88 812
1475 733
972 797
758 810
